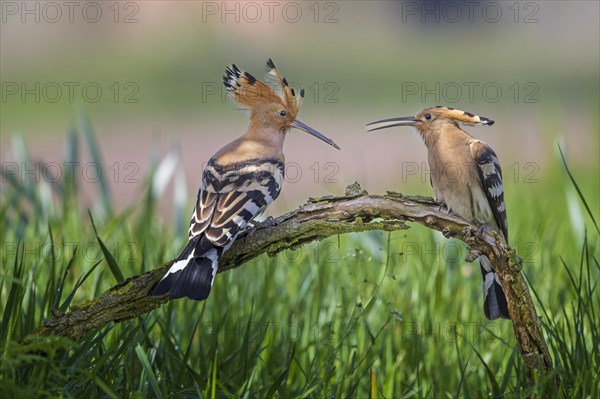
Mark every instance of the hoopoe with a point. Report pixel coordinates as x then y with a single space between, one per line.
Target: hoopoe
467 180
239 181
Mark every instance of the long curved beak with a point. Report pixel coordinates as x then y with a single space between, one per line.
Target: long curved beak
392 122
299 125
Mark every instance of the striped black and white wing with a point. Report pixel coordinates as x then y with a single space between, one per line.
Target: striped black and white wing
490 176
231 196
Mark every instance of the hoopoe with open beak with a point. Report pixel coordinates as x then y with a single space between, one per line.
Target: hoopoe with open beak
467 180
239 181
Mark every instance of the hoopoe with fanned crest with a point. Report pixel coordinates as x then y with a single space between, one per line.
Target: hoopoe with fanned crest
467 180
239 181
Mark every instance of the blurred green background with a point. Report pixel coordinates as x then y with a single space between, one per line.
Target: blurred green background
361 315
159 70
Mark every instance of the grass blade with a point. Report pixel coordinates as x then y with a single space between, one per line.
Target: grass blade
139 351
15 295
80 281
112 264
581 197
94 148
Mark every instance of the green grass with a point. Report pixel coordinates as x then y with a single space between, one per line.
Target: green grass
362 315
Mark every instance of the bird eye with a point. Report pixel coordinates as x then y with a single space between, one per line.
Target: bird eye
282 113
428 116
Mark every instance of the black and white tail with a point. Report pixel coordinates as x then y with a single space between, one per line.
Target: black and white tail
495 305
193 273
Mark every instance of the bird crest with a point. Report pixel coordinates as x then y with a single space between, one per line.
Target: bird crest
459 116
251 93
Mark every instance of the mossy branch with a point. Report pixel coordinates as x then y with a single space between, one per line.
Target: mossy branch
320 218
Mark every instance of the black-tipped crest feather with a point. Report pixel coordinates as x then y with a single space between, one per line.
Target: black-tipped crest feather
460 116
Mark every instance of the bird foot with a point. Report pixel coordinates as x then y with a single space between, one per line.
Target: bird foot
443 207
253 225
481 228
268 222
